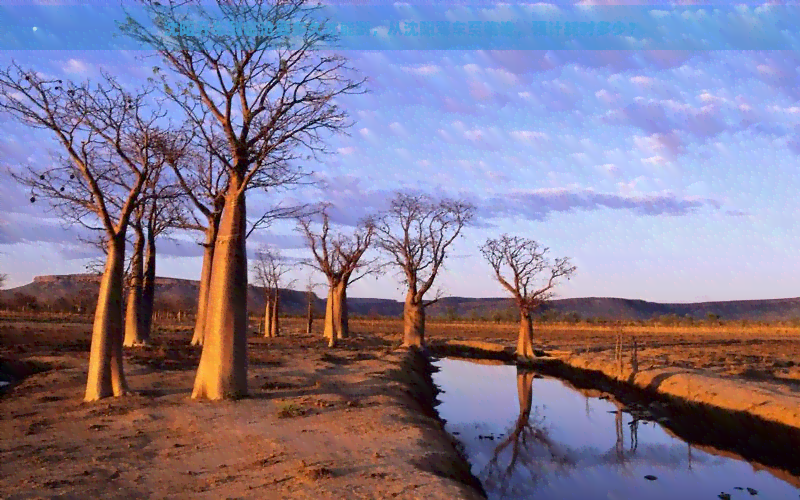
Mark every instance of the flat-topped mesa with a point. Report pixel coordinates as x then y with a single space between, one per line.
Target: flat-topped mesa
94 278
56 278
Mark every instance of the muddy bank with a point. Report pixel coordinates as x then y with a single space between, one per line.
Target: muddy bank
769 402
356 422
415 372
472 349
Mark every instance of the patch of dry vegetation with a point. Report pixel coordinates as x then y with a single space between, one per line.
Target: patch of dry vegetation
290 410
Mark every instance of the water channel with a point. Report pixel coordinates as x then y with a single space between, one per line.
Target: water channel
533 437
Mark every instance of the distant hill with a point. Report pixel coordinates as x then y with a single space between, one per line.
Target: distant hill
632 309
171 293
179 294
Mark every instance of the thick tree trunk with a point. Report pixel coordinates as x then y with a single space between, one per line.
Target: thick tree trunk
268 315
275 327
222 373
413 323
330 315
106 376
340 316
205 279
310 314
133 315
336 327
149 287
525 339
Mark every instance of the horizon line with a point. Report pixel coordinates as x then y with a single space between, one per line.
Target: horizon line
443 298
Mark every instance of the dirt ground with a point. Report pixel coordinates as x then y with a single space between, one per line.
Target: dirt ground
323 424
319 424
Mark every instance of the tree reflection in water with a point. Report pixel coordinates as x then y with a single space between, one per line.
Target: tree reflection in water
619 456
527 454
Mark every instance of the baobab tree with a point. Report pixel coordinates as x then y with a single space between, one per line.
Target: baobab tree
416 233
339 257
269 273
159 210
133 313
203 179
134 275
162 210
165 210
270 101
522 267
105 134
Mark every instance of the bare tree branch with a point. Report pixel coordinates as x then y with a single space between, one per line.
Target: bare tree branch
282 213
269 269
338 256
268 105
521 266
415 233
106 133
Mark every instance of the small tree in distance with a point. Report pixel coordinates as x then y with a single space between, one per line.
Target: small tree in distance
310 296
3 278
339 258
269 271
521 266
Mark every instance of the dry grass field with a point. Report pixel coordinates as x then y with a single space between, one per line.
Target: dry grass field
754 352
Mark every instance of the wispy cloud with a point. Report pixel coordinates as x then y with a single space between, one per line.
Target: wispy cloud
77 67
352 203
538 204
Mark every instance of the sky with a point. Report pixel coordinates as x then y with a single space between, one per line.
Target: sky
665 175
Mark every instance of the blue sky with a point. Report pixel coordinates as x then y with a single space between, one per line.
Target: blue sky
665 175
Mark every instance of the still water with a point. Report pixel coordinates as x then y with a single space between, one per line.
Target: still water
537 438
